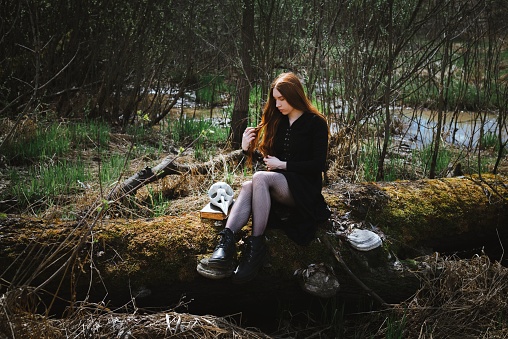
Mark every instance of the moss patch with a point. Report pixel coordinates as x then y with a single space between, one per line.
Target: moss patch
163 249
417 211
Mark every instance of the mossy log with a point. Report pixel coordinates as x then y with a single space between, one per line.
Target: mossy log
449 214
154 260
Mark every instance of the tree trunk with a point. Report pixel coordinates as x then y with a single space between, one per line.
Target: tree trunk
440 113
154 260
380 175
240 115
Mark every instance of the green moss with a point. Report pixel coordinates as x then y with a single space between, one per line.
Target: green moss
164 250
155 251
416 210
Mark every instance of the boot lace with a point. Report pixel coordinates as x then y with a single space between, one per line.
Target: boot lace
225 241
248 255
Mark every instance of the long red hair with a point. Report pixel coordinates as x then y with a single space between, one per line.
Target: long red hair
292 90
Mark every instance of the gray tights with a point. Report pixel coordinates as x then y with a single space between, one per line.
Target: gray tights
255 197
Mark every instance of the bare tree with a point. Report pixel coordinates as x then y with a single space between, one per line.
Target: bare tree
241 105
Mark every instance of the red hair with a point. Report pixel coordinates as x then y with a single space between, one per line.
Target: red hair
292 90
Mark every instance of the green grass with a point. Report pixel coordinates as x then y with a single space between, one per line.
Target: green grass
458 95
47 181
400 168
489 140
112 167
55 140
209 136
422 158
46 170
369 157
44 143
89 134
157 202
395 327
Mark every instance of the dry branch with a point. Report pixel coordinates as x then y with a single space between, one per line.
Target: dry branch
97 321
167 167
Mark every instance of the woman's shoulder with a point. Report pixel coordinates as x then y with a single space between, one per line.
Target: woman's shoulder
313 118
311 115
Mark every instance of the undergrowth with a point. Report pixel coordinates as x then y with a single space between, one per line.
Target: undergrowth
49 159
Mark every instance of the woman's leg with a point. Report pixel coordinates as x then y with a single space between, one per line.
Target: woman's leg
241 210
255 196
265 187
225 251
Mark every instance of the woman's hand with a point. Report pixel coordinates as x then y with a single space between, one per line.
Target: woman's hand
248 135
273 163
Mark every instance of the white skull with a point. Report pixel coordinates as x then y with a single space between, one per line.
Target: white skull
221 195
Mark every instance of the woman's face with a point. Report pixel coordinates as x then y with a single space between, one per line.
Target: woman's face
281 103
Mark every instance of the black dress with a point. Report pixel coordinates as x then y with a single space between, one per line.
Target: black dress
304 147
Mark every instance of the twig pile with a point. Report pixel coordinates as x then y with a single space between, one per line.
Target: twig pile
91 322
460 298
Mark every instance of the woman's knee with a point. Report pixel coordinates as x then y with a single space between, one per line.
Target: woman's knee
260 177
247 186
269 179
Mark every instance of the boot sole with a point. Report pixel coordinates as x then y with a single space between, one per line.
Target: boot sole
213 272
209 273
221 265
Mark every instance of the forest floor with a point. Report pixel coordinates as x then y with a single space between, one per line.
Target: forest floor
434 312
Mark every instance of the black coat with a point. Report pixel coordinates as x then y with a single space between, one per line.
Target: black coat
304 147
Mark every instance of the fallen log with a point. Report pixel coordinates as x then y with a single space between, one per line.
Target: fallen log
446 214
153 261
167 167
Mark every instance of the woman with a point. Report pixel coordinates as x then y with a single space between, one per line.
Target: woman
292 141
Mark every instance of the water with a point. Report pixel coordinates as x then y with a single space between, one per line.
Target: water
462 129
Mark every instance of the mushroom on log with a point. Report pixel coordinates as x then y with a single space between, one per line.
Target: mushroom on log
154 260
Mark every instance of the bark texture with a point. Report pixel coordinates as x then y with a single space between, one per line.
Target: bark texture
154 260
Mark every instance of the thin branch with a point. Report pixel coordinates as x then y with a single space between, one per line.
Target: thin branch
341 262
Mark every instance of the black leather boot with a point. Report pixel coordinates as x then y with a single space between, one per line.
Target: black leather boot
225 251
253 257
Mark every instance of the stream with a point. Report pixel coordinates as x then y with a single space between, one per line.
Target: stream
419 125
462 128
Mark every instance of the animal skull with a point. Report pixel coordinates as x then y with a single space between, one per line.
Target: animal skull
221 195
